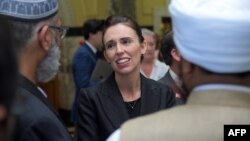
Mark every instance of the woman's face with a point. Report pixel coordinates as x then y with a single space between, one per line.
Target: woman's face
150 45
123 49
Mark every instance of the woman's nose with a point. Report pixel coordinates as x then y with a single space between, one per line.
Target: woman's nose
119 48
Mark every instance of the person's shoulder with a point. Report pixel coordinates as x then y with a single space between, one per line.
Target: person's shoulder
164 79
30 111
155 120
154 84
92 91
83 49
26 104
47 126
81 54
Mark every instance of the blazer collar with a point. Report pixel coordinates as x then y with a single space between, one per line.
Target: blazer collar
32 88
113 103
93 49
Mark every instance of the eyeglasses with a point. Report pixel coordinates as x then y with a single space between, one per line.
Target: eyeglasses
61 29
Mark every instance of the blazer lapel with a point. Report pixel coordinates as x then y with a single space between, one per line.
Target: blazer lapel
113 103
150 97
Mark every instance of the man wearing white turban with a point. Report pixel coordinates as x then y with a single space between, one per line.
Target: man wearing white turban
213 39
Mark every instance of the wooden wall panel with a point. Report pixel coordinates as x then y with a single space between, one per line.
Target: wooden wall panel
145 10
75 12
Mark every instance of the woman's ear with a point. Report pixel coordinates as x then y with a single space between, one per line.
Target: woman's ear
44 37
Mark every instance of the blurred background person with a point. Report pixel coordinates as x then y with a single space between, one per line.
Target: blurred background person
151 66
8 80
85 58
215 67
37 33
172 58
126 93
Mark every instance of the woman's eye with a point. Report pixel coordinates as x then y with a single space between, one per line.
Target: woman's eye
109 46
126 41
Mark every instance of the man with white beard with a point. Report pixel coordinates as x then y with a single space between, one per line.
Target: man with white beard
37 32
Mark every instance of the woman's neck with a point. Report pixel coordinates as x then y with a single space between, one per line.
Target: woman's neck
129 86
148 61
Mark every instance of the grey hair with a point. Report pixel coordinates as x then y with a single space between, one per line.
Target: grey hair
146 31
23 31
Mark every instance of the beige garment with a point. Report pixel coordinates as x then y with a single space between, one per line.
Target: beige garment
202 119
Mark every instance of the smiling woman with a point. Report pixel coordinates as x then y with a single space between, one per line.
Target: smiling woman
123 49
126 93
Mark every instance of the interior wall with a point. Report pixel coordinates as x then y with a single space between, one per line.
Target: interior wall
75 12
145 10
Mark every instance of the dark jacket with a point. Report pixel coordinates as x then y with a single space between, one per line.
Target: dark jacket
83 64
102 109
36 119
182 94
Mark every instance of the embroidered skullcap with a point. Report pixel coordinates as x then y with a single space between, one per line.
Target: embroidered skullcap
213 34
31 10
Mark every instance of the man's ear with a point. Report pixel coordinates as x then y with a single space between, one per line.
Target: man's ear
91 35
175 55
44 37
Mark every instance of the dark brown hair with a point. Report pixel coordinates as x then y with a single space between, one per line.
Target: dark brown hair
167 44
116 19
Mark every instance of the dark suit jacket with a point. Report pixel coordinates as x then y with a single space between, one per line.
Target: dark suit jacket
102 110
36 118
168 80
83 64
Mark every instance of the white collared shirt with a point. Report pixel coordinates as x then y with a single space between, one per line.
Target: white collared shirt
42 91
158 71
222 86
91 47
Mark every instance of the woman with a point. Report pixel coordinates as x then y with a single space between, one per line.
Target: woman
151 67
126 93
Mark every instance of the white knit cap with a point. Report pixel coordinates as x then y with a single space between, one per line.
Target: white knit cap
31 10
213 34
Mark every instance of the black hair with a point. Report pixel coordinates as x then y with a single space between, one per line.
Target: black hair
167 45
92 26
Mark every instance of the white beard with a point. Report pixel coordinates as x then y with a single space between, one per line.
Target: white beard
48 68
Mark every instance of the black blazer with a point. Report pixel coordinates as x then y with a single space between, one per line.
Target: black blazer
36 119
101 108
168 80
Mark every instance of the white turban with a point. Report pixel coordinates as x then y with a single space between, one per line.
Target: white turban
213 34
